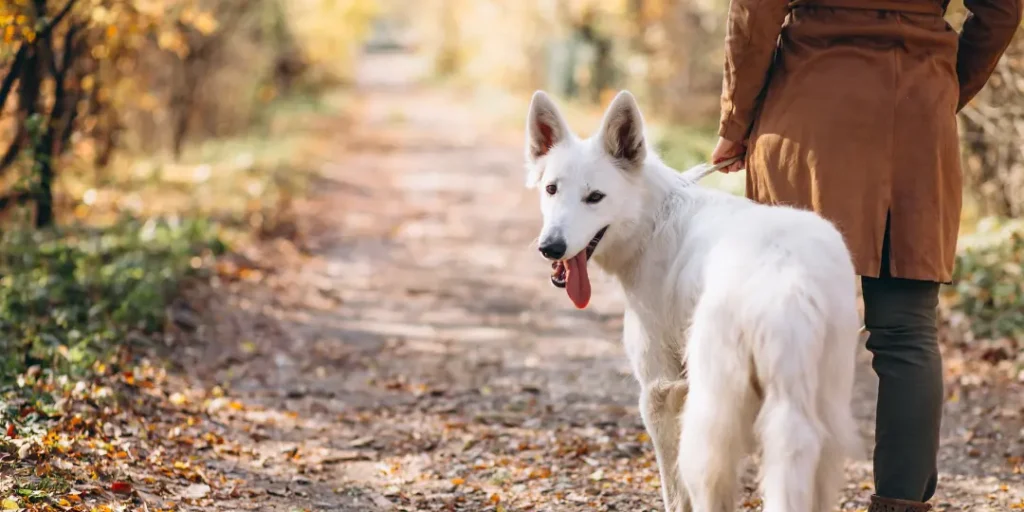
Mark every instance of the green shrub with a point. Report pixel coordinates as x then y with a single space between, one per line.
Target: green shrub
69 296
988 282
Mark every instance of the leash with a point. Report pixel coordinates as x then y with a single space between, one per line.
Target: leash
699 171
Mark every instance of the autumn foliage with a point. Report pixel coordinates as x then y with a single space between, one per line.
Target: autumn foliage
84 79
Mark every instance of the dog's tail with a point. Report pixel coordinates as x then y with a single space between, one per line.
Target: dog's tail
806 360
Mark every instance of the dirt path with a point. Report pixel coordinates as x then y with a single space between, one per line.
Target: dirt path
417 358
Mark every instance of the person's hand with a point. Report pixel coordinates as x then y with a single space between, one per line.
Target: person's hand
727 149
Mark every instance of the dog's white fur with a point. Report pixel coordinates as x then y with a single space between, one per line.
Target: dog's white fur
759 301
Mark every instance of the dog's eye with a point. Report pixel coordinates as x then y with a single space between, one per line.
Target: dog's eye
594 197
551 189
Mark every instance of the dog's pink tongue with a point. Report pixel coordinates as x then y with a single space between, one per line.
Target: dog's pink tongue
577 283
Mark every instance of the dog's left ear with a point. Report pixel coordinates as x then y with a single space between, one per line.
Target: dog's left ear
545 129
622 132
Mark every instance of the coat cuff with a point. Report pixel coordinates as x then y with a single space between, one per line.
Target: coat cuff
732 129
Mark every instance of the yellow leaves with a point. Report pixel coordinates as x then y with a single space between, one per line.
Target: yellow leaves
9 504
205 23
9 34
148 102
172 40
81 211
752 502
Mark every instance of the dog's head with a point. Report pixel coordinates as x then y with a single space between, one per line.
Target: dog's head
588 187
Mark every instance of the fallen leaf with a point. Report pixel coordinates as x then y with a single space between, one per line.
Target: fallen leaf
11 431
121 487
458 481
9 504
196 492
361 442
345 456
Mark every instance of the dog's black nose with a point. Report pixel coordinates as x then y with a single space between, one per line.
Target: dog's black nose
553 249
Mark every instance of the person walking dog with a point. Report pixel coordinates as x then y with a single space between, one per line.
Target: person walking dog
848 107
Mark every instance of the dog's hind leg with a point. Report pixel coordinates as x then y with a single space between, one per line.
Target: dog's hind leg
719 410
828 479
661 404
793 444
834 402
790 343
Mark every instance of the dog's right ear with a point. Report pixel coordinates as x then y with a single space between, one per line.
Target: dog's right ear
545 127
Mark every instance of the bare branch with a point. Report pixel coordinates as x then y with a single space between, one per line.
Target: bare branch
12 152
56 19
8 84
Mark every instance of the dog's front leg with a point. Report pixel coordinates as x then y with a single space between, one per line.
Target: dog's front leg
658 368
661 403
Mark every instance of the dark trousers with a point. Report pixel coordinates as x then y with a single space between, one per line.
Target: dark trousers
901 316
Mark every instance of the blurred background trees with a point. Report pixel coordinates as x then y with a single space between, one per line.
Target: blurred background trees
669 53
90 77
85 79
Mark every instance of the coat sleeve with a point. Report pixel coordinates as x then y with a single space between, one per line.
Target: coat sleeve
986 33
752 34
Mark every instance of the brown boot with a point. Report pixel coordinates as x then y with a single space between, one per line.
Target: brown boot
880 504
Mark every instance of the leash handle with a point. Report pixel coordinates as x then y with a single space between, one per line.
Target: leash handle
698 172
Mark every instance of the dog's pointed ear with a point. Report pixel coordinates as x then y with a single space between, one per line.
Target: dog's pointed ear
545 127
622 132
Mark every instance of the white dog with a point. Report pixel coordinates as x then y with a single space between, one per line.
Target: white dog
758 301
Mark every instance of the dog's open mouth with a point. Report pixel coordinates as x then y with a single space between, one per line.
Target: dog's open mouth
571 273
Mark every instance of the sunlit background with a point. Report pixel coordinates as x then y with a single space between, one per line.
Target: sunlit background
221 208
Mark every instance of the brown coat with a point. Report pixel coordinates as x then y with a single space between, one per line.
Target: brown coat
848 108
